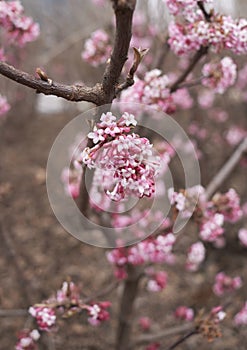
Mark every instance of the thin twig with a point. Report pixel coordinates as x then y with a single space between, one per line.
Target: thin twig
68 92
147 338
227 169
13 313
197 57
182 339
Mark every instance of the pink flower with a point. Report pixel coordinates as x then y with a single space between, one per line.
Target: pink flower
220 76
97 48
195 256
157 282
241 317
145 323
153 346
98 313
45 317
4 106
228 204
225 284
211 228
184 313
242 235
27 340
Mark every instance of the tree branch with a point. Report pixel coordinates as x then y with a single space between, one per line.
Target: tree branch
227 169
69 92
182 339
198 55
148 338
124 10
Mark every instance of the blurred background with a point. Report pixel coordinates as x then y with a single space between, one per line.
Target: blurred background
36 254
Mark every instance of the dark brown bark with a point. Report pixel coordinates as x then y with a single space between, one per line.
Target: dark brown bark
126 308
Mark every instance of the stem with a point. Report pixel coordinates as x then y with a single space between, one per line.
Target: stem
227 169
199 54
148 338
181 340
126 308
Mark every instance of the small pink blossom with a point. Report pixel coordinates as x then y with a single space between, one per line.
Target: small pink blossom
97 48
195 256
220 76
241 317
211 228
27 340
145 323
4 106
157 282
184 313
242 235
225 284
98 313
45 317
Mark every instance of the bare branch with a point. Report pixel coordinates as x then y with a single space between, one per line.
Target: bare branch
182 339
68 92
148 338
197 57
227 169
138 56
124 10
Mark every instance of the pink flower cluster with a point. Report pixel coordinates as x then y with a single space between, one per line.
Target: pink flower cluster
241 317
27 340
4 106
195 256
184 313
154 91
177 7
220 76
127 164
225 284
210 215
97 48
18 29
98 313
99 2
45 317
242 235
157 282
222 32
151 250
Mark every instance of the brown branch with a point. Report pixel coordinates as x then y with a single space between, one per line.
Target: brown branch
227 169
197 57
182 339
128 297
138 57
205 13
68 92
124 10
148 338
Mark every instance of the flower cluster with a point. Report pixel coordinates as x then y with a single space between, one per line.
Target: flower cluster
18 29
220 76
126 161
67 301
151 250
242 235
195 256
210 215
184 313
221 32
4 106
225 284
98 313
157 282
176 7
27 340
45 317
97 48
241 317
154 91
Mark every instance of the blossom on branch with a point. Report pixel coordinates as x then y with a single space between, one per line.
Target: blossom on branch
97 48
27 340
